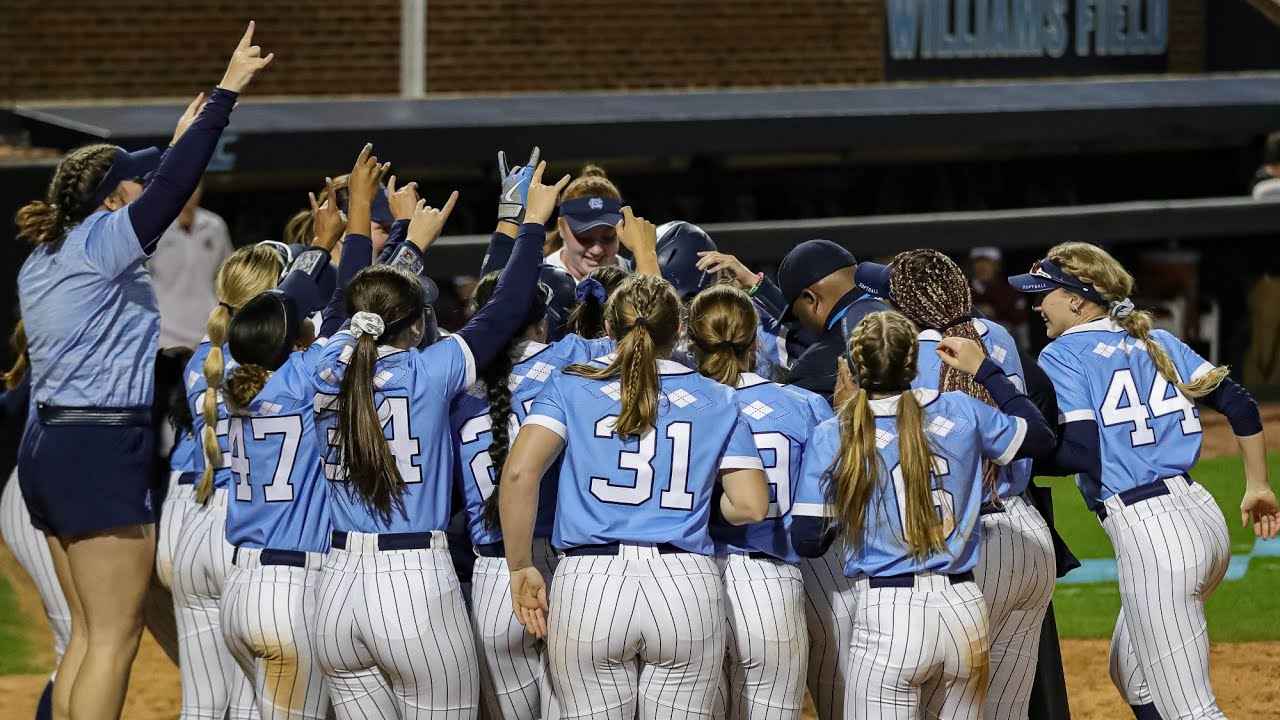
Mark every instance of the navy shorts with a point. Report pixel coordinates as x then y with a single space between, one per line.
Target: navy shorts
83 479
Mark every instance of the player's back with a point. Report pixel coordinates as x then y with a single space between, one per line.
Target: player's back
961 431
656 488
780 419
1147 429
196 386
1013 479
472 429
280 497
412 393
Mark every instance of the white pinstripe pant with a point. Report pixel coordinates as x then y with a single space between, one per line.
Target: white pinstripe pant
918 652
213 685
398 615
1016 572
512 663
1171 553
267 613
179 505
829 608
607 612
768 644
31 548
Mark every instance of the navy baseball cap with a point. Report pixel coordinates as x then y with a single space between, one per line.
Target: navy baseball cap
1045 275
588 213
126 166
873 278
806 264
679 243
379 210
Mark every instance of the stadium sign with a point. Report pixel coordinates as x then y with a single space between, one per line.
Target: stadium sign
978 38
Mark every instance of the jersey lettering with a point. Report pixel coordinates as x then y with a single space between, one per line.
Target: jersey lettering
943 501
481 466
1122 404
640 461
777 470
289 427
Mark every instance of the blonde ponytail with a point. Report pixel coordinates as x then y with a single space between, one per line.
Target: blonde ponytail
923 530
857 470
247 272
722 328
1095 266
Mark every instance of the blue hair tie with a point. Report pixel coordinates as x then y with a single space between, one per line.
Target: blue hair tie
590 288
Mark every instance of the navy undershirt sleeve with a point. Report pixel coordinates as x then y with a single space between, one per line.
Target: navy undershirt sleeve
1040 439
1232 400
357 253
491 328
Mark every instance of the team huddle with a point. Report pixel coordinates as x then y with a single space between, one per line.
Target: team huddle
661 486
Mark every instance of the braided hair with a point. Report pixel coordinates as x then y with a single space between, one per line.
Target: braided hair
497 386
643 316
69 198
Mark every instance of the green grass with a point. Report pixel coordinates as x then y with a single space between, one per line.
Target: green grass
15 649
1239 610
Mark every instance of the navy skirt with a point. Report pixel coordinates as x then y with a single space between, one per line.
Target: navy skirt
85 478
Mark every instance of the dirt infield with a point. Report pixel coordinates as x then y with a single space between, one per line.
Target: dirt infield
1243 673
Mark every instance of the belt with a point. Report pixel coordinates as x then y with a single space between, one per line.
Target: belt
612 549
295 558
188 478
907 580
118 417
1135 495
492 550
990 508
390 541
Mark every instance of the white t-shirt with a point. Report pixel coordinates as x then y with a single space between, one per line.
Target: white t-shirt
555 260
182 270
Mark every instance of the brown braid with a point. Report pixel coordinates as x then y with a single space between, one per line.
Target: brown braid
69 198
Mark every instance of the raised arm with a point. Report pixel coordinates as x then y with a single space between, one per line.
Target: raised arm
968 356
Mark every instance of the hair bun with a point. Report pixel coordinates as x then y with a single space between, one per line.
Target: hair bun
593 170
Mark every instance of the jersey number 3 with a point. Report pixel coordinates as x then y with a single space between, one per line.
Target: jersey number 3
640 461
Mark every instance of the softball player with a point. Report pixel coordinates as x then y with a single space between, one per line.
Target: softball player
1131 432
211 680
1016 568
768 641
484 420
901 473
389 595
644 440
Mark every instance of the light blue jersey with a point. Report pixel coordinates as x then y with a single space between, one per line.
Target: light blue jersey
413 391
780 418
91 316
183 458
962 432
652 489
1147 429
771 353
280 497
196 385
1011 480
471 429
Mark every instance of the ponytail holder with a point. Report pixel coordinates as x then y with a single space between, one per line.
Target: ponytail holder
590 288
229 308
640 322
958 321
1120 309
367 323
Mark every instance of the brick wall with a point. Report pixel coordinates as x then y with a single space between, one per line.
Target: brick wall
91 49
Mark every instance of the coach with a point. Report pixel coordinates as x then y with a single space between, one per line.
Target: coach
93 326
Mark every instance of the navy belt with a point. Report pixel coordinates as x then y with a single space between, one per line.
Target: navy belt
492 550
756 555
612 549
990 508
390 541
294 558
116 417
907 580
188 478
1133 496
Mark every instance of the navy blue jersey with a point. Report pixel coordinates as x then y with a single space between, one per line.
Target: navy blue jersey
471 429
412 391
656 488
280 498
962 432
196 385
1147 429
781 419
1012 479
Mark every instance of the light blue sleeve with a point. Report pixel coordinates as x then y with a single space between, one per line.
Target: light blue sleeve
451 360
809 496
1000 435
112 246
740 451
1069 384
819 407
1191 366
548 410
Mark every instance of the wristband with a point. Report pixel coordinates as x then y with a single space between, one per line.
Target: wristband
756 288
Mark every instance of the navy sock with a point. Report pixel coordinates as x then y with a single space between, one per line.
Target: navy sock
44 709
1146 712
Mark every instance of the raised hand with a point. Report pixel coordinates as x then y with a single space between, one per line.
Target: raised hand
962 354
540 200
428 222
712 261
402 200
188 117
326 218
515 186
245 62
365 178
640 237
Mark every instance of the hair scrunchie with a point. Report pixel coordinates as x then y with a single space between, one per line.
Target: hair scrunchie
1120 309
367 323
590 288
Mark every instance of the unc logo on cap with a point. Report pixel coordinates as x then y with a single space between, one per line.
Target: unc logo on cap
595 204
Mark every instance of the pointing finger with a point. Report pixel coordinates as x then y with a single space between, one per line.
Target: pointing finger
503 170
247 39
560 185
365 152
537 173
315 206
448 206
534 156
